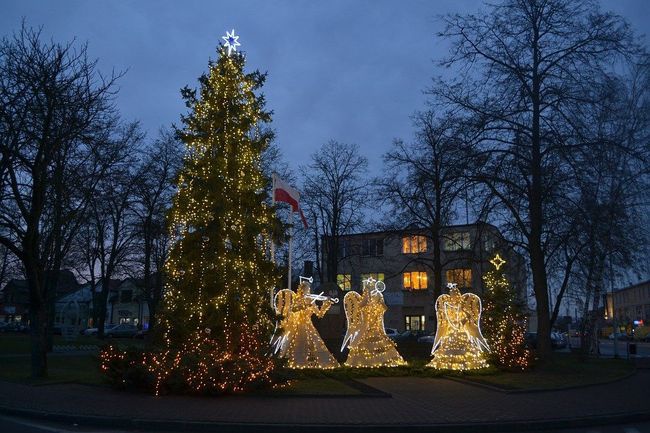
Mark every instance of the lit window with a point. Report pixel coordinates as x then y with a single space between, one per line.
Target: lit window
457 241
462 277
414 323
414 244
415 280
376 276
344 281
372 247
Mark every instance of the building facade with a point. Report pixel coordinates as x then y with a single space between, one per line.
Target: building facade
403 260
629 305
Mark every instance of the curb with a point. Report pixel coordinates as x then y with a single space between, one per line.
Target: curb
205 426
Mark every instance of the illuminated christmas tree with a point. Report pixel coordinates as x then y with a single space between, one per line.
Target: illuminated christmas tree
217 319
504 321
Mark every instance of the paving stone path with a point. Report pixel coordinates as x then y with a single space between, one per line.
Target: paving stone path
413 401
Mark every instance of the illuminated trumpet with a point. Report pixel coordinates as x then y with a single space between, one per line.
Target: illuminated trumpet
321 297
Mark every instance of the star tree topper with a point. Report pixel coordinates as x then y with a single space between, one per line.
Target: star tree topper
497 261
232 41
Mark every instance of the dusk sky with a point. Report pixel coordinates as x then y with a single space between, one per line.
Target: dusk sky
353 71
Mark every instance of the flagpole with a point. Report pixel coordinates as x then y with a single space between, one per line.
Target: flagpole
272 289
290 242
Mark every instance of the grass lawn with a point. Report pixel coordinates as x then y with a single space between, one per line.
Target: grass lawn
565 371
82 369
11 343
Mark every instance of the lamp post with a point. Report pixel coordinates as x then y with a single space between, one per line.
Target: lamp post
611 287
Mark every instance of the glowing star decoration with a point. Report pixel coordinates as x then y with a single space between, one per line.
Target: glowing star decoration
298 340
459 343
497 261
366 336
232 41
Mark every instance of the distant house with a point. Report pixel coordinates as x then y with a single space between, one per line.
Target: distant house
75 309
15 296
128 304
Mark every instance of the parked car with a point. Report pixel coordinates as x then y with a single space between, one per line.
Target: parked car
391 333
621 336
427 339
16 327
557 340
141 334
121 330
410 335
90 331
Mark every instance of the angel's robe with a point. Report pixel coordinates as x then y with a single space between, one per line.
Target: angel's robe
299 341
458 344
366 337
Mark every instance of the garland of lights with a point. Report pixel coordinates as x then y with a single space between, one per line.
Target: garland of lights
459 343
298 341
366 336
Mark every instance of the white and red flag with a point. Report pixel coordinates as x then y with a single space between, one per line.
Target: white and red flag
284 192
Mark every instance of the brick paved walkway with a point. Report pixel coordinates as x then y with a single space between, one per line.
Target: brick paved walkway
414 401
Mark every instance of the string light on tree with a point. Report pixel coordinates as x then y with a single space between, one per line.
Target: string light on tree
459 343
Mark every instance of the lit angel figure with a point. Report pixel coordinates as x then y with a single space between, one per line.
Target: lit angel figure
459 343
366 336
298 340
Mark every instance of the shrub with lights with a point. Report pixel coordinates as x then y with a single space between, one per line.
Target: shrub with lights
504 321
216 320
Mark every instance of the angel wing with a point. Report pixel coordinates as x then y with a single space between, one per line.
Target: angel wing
282 302
442 327
472 307
352 304
282 306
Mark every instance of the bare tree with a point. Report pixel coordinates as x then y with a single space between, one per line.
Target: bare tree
153 196
522 67
613 185
335 190
111 221
54 108
425 179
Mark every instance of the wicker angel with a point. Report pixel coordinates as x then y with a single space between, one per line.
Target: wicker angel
366 337
459 343
298 340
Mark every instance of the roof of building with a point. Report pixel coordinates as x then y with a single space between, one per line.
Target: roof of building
639 284
414 229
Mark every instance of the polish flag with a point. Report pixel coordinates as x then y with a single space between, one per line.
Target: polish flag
283 192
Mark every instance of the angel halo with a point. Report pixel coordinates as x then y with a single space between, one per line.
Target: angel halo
459 343
366 336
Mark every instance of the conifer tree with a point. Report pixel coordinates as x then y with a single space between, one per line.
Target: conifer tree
504 321
217 320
